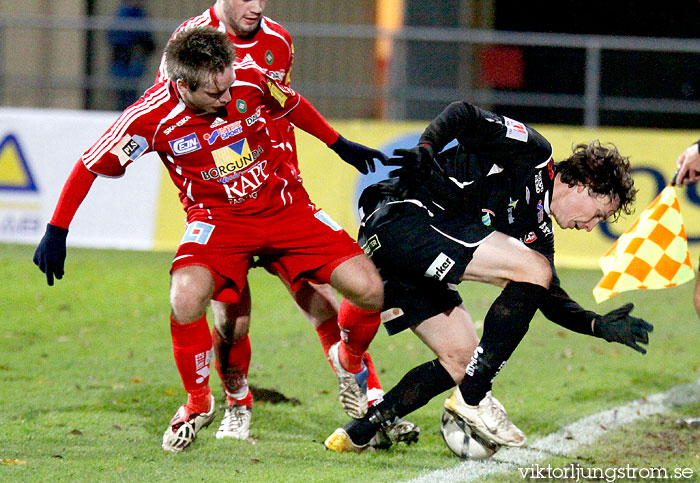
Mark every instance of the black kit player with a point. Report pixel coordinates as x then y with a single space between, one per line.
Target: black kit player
482 211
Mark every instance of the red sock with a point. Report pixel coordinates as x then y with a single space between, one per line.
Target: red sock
232 363
328 333
246 401
198 401
192 348
358 328
374 388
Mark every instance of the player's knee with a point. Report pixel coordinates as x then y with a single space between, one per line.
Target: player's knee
187 306
696 301
358 281
371 298
189 298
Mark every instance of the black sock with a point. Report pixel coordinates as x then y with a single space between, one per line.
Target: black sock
505 325
414 390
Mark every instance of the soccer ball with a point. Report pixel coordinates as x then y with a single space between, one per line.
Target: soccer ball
462 442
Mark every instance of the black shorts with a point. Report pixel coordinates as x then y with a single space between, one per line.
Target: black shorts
410 301
421 254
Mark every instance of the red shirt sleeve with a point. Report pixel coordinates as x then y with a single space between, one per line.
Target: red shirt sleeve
306 117
74 191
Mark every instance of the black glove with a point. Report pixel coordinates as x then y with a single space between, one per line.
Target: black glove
361 157
414 162
51 252
620 326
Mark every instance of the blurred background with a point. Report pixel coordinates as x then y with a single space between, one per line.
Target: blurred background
591 63
618 71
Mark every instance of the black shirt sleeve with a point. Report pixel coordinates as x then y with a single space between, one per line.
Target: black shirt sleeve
564 311
457 118
488 135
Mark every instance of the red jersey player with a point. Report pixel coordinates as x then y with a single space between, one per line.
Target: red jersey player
213 127
261 40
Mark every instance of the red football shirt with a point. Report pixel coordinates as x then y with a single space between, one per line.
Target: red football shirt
236 158
270 47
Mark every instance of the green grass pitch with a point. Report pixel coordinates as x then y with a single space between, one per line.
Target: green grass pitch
88 382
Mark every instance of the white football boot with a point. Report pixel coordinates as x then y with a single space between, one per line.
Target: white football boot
352 392
236 422
488 419
184 426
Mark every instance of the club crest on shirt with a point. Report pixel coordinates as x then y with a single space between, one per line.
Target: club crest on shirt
486 217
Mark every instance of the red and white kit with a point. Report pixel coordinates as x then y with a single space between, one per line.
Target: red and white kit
270 42
230 165
270 47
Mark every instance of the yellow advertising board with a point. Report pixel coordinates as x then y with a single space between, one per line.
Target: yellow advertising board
335 186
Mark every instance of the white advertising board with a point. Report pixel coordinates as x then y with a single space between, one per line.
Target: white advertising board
38 149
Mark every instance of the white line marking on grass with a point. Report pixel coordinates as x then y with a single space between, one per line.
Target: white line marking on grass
563 442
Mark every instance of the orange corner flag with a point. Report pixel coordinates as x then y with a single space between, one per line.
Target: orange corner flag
651 254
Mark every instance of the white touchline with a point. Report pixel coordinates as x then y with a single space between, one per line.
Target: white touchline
579 433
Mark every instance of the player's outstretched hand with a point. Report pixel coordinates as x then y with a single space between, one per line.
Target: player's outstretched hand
51 252
620 326
361 157
688 166
415 160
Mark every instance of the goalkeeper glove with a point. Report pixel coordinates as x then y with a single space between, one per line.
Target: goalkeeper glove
51 252
620 326
361 157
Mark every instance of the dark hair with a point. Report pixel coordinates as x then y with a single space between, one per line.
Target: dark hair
603 170
197 55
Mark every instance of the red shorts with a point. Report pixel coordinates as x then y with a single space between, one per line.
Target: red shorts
299 242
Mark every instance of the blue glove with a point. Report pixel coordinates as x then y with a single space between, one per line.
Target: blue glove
361 157
619 326
51 252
